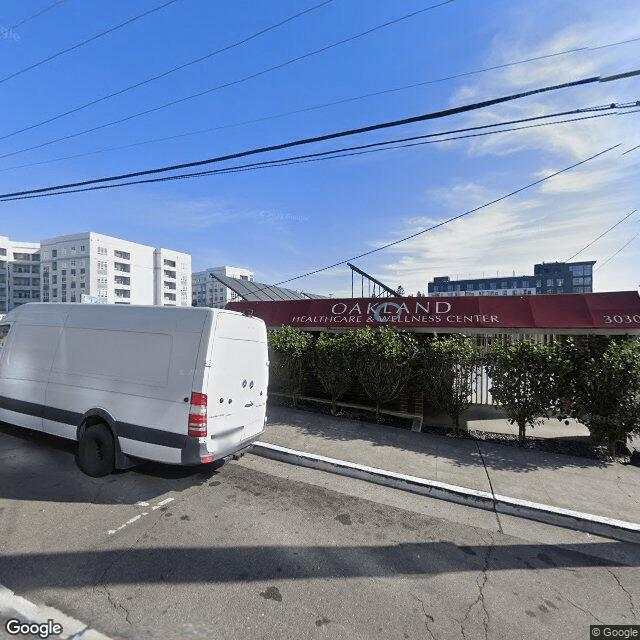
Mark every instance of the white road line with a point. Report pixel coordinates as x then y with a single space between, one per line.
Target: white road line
161 504
144 513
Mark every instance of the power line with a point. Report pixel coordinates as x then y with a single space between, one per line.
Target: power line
632 149
320 138
315 157
136 144
301 110
445 222
168 72
328 104
232 82
22 21
601 235
84 42
611 257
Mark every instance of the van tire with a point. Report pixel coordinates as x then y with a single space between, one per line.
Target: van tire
96 451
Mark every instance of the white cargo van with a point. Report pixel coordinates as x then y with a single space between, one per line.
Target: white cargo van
177 385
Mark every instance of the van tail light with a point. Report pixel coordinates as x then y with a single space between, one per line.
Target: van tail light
198 415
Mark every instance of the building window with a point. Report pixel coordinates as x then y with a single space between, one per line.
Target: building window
550 282
170 263
122 280
122 293
470 286
120 266
54 253
122 254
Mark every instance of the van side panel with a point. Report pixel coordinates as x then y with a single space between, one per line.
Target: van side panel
24 370
141 378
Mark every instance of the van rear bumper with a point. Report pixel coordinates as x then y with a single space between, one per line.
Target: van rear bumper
196 452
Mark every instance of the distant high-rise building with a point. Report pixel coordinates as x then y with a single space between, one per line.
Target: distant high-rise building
548 277
113 271
208 292
19 273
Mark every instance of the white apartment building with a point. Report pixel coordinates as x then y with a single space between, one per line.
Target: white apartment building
19 273
112 270
172 278
208 292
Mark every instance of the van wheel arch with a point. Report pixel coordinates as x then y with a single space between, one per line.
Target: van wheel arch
97 446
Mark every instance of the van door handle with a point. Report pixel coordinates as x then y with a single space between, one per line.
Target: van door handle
249 404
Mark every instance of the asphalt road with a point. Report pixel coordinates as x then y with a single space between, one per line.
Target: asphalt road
260 549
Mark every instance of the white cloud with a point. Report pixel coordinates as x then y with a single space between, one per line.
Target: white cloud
555 219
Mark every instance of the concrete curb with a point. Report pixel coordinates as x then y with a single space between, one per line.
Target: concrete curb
596 525
16 607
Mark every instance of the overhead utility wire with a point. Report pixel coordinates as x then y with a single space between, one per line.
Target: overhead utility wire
84 42
135 144
611 257
328 104
169 71
314 157
445 222
449 220
329 136
29 17
232 82
601 235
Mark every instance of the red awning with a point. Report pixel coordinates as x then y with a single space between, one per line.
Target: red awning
619 311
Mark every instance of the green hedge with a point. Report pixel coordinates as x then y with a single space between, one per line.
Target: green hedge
594 379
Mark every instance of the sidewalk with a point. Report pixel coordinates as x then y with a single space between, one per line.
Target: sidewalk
606 490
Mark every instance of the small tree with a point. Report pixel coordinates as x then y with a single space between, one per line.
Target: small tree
524 379
291 348
447 369
382 360
602 387
333 361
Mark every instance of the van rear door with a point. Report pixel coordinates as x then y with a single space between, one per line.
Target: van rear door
236 387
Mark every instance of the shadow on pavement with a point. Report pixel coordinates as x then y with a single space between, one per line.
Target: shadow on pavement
303 427
38 466
173 565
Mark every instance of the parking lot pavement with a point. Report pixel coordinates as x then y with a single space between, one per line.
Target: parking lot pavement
604 490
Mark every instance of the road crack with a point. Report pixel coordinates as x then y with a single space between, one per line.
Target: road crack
481 582
427 618
117 606
563 596
493 493
631 604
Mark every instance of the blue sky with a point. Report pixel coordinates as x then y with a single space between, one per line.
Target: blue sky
284 221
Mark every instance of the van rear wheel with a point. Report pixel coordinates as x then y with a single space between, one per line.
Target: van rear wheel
96 451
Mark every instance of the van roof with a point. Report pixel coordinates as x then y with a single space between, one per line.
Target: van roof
185 318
